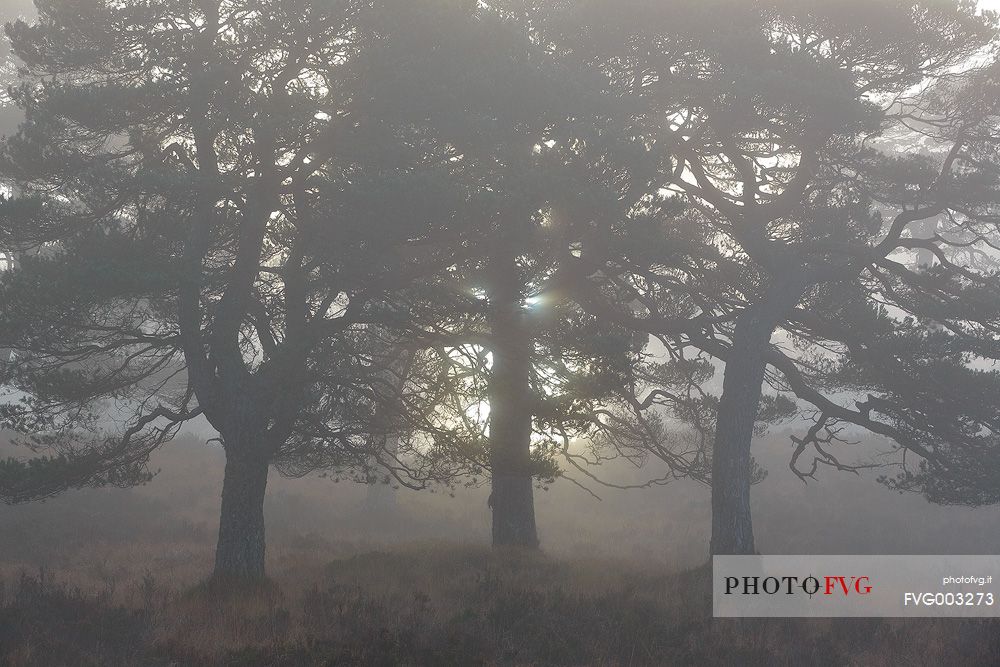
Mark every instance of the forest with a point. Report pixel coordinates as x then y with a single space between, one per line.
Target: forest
438 332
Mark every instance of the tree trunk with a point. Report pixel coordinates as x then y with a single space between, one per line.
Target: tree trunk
513 511
240 551
732 527
512 498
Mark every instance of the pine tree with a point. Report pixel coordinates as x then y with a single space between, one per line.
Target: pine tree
779 130
213 230
514 120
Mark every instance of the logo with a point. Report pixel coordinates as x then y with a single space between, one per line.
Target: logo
843 585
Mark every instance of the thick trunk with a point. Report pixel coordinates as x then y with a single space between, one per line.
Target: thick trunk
513 511
732 471
240 552
732 526
512 498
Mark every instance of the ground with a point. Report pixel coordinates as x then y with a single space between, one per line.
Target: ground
113 577
447 605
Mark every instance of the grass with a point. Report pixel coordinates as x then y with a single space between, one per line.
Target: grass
111 577
450 605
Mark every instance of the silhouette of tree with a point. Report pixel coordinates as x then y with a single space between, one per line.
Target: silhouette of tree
776 123
216 233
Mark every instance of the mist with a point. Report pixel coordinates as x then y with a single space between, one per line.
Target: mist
439 332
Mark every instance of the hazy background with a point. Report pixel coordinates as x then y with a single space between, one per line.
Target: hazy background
664 526
174 518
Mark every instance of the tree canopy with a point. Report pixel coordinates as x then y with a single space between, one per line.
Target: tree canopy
484 231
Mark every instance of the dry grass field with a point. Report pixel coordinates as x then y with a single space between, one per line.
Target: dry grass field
113 577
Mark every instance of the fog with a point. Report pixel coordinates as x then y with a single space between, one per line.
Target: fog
664 526
435 332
